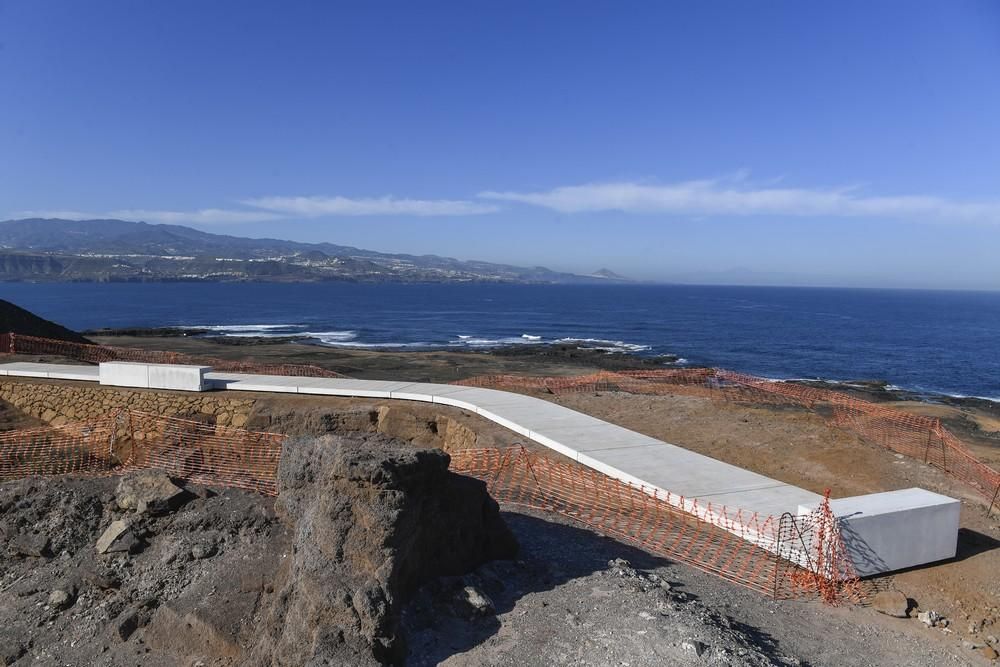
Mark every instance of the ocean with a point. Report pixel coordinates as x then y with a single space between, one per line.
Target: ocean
924 341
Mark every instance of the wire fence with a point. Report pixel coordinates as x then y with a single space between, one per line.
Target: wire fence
916 436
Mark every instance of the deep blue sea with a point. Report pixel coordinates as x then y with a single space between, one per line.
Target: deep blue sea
929 341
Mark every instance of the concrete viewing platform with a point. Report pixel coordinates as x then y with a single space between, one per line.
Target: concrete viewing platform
878 528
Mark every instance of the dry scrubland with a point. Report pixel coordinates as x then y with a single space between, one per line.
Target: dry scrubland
569 597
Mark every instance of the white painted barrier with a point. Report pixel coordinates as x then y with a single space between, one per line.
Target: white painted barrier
154 376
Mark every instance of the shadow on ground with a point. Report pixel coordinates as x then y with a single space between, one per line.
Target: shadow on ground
972 543
552 554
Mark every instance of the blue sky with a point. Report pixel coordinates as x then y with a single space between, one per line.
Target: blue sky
854 143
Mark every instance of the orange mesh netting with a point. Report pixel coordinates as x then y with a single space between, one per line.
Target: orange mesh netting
58 450
129 439
784 557
922 438
11 343
203 453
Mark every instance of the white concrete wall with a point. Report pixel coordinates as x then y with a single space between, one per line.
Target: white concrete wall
154 376
124 374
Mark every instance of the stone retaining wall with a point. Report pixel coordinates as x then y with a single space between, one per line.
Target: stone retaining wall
58 403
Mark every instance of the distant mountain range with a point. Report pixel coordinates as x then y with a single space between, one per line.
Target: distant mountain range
53 250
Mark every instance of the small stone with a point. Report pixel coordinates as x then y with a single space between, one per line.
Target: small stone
929 618
622 568
117 538
891 603
127 625
31 544
470 601
60 599
988 652
991 639
102 581
146 491
695 647
200 551
970 646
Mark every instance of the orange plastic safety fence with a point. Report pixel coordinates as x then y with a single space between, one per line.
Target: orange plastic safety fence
20 344
780 557
919 437
199 452
57 450
203 453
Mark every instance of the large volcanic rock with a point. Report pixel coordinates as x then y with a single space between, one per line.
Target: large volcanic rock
371 521
18 320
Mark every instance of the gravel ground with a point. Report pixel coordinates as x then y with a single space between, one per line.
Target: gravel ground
571 600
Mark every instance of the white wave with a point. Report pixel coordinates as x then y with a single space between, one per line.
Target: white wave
388 346
530 337
606 345
992 399
244 328
331 336
472 341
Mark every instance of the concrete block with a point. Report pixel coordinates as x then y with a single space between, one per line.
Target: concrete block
246 382
178 377
154 376
124 374
80 373
27 369
891 531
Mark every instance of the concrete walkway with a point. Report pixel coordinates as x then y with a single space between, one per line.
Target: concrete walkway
615 451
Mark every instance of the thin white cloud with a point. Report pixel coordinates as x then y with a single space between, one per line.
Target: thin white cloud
203 216
60 214
733 197
320 206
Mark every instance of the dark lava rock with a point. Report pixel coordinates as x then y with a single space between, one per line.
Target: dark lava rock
373 519
31 544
